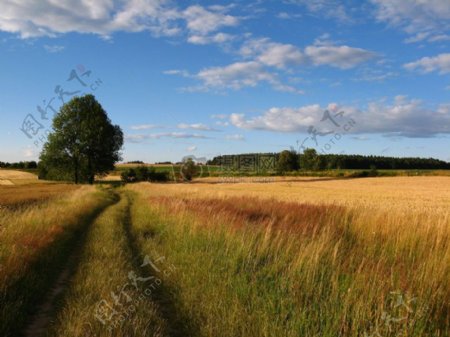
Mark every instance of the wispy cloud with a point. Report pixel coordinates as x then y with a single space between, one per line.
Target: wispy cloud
191 148
421 20
143 127
196 126
440 63
135 138
54 48
235 137
333 9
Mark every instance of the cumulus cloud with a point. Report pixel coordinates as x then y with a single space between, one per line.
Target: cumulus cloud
263 59
203 21
422 20
401 117
440 63
322 52
29 18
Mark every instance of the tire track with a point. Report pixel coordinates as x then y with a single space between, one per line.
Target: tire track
47 310
162 295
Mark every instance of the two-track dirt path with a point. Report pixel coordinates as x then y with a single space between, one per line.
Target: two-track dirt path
45 312
157 309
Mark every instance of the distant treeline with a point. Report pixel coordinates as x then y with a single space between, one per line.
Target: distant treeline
379 162
311 160
19 165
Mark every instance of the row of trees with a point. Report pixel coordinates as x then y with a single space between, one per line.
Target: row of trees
312 161
287 161
19 165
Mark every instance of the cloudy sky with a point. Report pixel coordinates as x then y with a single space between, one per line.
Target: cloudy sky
192 78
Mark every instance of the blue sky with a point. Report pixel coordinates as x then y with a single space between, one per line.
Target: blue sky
192 78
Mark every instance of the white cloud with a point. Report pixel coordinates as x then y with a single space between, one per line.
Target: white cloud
207 39
202 21
280 119
343 57
143 127
183 73
263 55
235 137
239 75
288 16
191 148
402 117
423 20
174 135
222 123
219 116
29 153
440 63
29 18
54 48
272 53
322 52
197 126
324 8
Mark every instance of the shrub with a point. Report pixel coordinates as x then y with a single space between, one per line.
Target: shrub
143 173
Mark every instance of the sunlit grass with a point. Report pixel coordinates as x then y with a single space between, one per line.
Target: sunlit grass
102 278
34 242
247 267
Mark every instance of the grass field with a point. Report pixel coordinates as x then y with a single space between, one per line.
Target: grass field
289 257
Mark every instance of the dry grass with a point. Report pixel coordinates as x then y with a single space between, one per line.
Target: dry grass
13 177
17 195
34 242
411 194
312 258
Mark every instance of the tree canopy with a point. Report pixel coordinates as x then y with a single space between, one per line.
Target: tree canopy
287 161
84 143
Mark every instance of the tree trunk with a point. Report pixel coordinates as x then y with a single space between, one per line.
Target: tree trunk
90 170
76 171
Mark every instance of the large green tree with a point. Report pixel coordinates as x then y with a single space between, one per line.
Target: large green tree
84 143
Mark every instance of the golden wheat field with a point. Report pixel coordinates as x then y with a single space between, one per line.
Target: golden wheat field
285 257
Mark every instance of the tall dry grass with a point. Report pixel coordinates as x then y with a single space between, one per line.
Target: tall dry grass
372 259
34 242
102 299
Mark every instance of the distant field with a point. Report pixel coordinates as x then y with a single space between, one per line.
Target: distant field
12 177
